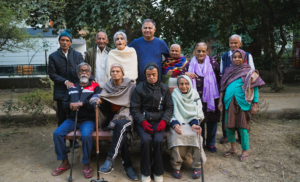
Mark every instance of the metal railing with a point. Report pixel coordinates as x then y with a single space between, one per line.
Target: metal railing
23 70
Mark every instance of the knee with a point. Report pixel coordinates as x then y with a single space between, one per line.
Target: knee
146 141
56 133
158 141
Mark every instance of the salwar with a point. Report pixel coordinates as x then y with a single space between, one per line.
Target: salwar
177 153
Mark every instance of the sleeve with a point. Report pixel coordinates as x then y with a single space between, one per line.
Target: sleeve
66 103
256 95
168 105
165 50
221 66
217 72
53 74
135 107
251 63
185 68
86 102
174 122
194 121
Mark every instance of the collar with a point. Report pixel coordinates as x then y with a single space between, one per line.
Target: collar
229 53
103 49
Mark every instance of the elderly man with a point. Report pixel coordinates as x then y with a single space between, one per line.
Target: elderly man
149 48
173 65
97 57
152 108
235 42
77 99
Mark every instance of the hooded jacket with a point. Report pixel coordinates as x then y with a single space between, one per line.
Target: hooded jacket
151 102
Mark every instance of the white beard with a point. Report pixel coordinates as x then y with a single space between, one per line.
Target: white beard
84 80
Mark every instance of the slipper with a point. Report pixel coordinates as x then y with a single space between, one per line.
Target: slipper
88 173
177 174
229 153
60 170
244 158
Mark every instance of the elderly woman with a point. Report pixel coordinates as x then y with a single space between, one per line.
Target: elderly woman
240 84
123 55
205 74
184 136
173 65
114 109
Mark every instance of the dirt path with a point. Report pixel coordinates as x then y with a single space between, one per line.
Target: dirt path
27 154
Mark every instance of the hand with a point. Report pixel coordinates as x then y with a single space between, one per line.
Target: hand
177 128
161 125
253 109
197 129
191 75
220 106
74 106
69 84
147 127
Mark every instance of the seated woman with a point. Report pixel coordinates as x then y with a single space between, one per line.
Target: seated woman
123 55
173 65
240 84
114 113
184 136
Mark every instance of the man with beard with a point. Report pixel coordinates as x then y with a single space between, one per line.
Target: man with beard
77 99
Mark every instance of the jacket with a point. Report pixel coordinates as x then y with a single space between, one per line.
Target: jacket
151 102
90 57
81 94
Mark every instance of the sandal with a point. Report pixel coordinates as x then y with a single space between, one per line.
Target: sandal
177 174
88 173
229 153
60 170
244 158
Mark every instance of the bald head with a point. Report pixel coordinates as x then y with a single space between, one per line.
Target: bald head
175 51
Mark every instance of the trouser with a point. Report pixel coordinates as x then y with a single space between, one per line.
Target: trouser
157 138
177 153
86 128
119 142
61 115
244 136
211 133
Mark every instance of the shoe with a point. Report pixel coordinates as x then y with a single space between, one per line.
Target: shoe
196 173
146 178
107 167
177 174
223 140
131 174
76 145
159 178
212 149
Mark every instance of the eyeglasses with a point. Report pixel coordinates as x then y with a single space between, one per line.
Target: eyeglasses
86 71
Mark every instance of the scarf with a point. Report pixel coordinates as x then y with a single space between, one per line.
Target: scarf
173 66
210 88
185 109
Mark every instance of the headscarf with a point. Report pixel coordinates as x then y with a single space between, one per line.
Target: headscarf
210 88
185 108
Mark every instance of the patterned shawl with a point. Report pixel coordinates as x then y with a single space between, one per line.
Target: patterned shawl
173 66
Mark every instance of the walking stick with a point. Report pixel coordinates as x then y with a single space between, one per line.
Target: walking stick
202 177
97 147
75 127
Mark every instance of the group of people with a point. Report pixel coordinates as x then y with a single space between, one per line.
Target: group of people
128 84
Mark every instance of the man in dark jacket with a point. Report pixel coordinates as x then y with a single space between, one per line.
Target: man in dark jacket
152 108
77 99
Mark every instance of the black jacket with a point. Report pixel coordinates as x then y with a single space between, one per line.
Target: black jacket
81 94
151 102
61 69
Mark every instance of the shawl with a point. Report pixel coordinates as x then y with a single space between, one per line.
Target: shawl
185 109
210 88
249 76
173 66
127 58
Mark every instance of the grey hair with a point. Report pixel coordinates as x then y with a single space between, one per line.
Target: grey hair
236 35
179 78
102 32
175 45
149 20
151 68
81 64
120 33
199 44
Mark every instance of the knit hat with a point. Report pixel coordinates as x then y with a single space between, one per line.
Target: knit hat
117 65
66 33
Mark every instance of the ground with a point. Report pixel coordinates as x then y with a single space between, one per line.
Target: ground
27 154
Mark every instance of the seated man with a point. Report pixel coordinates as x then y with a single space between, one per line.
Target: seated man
151 107
77 99
114 107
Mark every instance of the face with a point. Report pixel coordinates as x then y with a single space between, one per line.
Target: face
237 58
101 40
84 74
148 30
200 52
116 73
65 42
234 43
152 76
183 85
175 52
120 42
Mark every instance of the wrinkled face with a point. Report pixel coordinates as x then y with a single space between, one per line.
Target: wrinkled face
65 43
234 43
84 74
200 52
101 40
183 85
148 30
116 73
175 51
152 76
237 58
120 42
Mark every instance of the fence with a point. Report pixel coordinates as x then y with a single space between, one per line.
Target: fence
23 70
